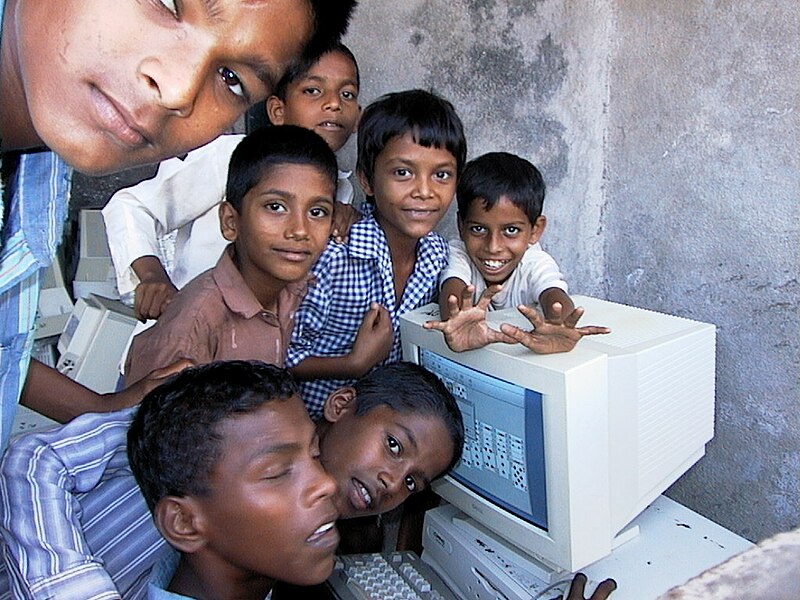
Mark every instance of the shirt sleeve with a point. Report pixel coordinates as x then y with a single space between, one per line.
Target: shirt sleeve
44 547
458 264
541 273
181 191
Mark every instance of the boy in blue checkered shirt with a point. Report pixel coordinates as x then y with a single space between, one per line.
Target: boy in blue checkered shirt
411 150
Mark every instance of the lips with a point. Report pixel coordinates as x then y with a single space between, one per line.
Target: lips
324 533
116 121
293 255
494 265
330 125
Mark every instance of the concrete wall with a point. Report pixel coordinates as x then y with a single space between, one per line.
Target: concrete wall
668 136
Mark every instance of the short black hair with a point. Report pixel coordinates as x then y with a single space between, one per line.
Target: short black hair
331 18
407 387
299 70
497 174
267 147
430 119
174 440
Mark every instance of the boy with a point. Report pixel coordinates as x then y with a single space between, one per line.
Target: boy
411 149
165 231
277 218
228 462
108 90
74 522
499 260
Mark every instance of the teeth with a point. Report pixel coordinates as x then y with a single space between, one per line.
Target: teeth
365 495
494 264
323 528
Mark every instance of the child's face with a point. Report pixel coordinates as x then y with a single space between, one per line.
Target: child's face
324 100
380 458
413 187
283 227
109 86
496 239
270 511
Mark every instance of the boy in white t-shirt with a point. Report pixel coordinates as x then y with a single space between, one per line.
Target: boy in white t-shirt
499 263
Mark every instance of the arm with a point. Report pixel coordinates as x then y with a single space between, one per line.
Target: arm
453 287
181 191
55 395
344 215
372 345
155 290
552 296
44 548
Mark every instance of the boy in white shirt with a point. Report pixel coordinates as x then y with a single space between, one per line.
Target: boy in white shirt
499 263
165 231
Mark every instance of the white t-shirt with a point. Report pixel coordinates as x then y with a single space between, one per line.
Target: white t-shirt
535 273
175 217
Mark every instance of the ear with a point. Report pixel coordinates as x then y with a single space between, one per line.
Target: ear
358 120
228 221
275 110
181 522
365 186
538 229
339 403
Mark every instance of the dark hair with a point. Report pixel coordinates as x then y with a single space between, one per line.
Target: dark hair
298 70
430 119
406 387
174 439
497 174
331 18
267 147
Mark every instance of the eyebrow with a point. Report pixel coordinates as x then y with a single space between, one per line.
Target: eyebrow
345 81
291 195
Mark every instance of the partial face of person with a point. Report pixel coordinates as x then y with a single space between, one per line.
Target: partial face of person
413 187
324 100
382 457
496 239
271 512
283 227
114 85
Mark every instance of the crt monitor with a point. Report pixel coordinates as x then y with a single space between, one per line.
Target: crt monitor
563 451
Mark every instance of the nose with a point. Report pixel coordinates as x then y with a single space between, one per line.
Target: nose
393 480
321 487
493 242
176 78
331 101
423 189
297 227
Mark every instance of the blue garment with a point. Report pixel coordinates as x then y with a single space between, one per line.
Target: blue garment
74 524
349 277
34 203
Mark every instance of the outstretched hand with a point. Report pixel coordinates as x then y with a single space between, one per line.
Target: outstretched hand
466 329
601 592
549 336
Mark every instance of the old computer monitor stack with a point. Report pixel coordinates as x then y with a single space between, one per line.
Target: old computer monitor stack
563 451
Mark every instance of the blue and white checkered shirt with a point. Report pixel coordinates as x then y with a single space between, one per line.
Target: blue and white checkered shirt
34 205
74 524
349 277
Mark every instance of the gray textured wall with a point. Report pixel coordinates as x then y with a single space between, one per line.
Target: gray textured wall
668 135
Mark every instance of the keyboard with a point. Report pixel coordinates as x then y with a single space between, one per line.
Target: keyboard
388 576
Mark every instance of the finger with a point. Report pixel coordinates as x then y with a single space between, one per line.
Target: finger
466 297
453 305
577 587
571 320
498 336
534 316
604 589
437 325
592 330
486 297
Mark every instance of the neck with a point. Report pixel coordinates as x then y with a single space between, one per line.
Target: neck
266 289
202 579
16 128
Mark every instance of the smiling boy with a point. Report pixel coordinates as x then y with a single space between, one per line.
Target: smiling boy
277 218
108 88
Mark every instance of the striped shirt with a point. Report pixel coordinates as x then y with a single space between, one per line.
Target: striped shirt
34 208
349 277
60 541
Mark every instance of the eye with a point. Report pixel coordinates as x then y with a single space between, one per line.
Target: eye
319 212
275 207
276 472
394 446
171 6
411 485
348 95
402 172
477 229
231 79
312 91
442 176
512 230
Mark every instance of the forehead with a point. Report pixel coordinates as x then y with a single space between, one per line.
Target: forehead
305 179
332 65
406 147
503 211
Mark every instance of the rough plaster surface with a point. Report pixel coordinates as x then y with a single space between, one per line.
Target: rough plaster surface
668 137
